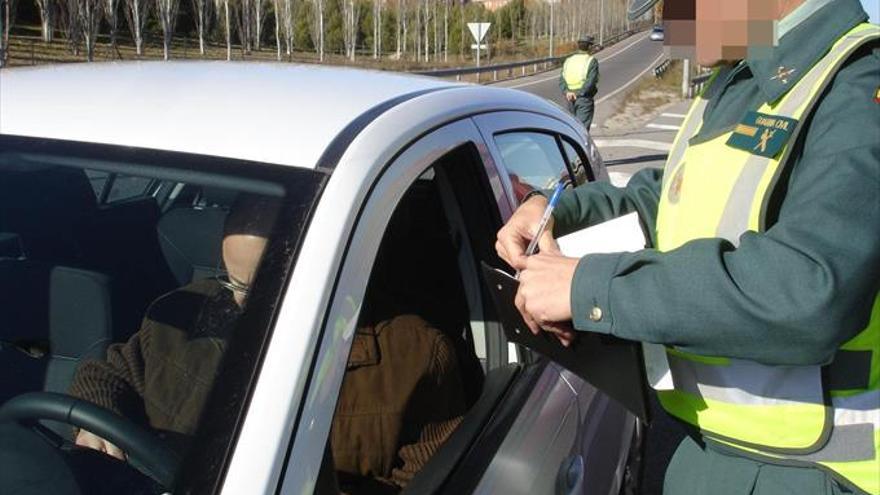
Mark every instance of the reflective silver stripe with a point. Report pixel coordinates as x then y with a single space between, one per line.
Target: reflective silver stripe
735 219
746 382
856 418
687 131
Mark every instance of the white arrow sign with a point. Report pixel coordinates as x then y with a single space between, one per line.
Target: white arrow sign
479 30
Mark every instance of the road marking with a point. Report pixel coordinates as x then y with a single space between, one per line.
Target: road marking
665 127
631 81
539 81
675 115
632 143
619 179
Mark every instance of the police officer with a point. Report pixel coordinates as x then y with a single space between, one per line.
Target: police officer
578 80
763 274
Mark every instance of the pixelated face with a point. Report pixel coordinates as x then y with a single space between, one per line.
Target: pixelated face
718 31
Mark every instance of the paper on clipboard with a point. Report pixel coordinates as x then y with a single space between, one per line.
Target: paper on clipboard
621 234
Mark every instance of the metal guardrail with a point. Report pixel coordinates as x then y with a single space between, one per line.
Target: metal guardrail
534 64
697 83
660 69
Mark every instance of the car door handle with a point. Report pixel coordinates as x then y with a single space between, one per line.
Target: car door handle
570 478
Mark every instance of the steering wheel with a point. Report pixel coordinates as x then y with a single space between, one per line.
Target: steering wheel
144 449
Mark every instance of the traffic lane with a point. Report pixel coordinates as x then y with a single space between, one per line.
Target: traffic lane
618 66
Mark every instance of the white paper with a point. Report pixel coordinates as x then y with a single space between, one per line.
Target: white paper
622 234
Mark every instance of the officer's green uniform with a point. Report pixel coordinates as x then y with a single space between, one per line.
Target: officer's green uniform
798 280
580 75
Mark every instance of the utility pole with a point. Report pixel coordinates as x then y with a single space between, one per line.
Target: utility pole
551 28
602 23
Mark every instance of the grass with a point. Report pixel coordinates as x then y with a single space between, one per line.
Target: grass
649 96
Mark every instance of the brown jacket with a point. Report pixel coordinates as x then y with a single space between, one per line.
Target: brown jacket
400 398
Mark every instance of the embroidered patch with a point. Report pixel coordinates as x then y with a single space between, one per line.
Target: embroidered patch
675 185
762 134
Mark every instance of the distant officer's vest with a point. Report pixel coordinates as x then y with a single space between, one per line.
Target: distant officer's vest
575 69
820 416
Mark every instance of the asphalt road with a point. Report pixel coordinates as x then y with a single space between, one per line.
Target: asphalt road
619 67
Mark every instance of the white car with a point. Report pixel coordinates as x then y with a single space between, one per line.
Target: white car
115 182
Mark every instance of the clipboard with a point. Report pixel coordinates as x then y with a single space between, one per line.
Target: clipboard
612 365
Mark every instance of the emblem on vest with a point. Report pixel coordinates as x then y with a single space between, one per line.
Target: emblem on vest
675 185
762 134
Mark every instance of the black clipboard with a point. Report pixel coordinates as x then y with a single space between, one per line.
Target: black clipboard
612 365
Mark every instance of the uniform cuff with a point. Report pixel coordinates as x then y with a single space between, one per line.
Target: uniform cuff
590 292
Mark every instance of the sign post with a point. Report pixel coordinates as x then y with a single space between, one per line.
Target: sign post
478 31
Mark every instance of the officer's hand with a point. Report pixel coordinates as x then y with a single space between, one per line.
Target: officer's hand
544 294
92 441
514 237
570 96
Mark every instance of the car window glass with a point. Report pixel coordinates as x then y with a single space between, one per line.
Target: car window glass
128 187
147 306
575 163
532 159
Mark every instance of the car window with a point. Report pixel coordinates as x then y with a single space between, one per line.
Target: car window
576 163
532 159
147 312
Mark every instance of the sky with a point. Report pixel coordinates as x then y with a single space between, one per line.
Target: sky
872 7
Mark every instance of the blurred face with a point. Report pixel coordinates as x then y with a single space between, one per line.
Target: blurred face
241 255
720 31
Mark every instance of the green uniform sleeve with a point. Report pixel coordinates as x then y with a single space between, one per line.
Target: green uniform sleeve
592 79
788 296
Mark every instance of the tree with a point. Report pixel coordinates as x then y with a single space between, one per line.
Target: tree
223 12
167 12
202 13
88 13
7 15
137 12
245 18
47 18
318 28
111 13
259 19
69 20
351 12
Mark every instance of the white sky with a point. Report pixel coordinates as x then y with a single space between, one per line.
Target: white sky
872 7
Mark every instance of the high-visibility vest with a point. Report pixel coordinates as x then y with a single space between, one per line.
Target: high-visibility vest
820 416
575 69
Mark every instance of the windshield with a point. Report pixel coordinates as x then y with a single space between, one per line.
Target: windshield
144 283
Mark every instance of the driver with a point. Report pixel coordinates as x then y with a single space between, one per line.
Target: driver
163 374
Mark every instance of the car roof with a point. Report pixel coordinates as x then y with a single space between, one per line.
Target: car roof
277 113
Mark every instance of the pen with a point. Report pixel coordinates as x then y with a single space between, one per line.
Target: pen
545 218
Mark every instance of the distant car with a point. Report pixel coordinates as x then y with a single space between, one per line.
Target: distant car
115 180
656 33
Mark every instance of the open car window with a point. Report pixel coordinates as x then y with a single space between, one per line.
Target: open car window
158 316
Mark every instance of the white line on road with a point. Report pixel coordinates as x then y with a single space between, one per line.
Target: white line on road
539 81
675 115
632 143
665 127
639 76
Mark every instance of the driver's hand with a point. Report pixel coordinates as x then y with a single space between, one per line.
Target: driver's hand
92 441
514 237
570 96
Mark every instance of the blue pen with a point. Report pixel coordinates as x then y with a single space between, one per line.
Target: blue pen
545 218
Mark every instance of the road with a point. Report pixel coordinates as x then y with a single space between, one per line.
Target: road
621 66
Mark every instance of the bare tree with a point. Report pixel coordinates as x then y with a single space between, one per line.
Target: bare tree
222 9
111 13
350 16
69 19
137 12
445 30
47 18
318 28
88 13
203 14
283 25
167 12
244 15
289 13
259 19
7 14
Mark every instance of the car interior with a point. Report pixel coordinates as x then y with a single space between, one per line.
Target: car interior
83 254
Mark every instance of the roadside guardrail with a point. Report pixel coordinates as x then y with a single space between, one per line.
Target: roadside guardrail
525 67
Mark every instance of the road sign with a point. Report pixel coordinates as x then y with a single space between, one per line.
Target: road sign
484 46
479 30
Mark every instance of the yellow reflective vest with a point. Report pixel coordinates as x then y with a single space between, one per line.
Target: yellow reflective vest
821 416
575 69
